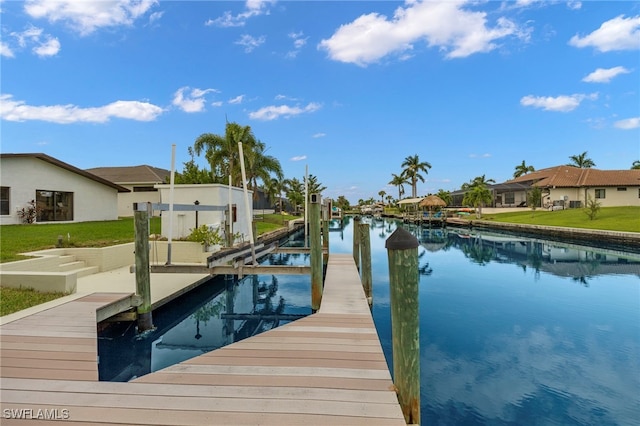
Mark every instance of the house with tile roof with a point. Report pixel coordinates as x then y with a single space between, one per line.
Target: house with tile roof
57 191
140 180
571 187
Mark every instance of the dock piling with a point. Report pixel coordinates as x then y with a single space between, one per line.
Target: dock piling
402 249
316 251
356 241
143 276
365 258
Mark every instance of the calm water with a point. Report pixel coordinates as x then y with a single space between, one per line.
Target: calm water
515 331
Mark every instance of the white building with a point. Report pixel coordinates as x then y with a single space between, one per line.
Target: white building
215 195
60 191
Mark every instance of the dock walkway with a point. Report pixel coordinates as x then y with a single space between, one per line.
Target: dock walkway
327 368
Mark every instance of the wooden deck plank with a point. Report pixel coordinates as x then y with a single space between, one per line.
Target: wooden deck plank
327 368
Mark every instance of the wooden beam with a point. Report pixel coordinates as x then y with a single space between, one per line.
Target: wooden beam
260 269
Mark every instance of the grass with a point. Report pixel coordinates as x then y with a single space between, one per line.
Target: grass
16 239
16 299
626 219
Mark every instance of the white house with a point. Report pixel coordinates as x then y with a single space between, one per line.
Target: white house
140 180
60 191
216 195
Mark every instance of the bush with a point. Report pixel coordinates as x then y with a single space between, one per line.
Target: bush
28 214
206 236
592 209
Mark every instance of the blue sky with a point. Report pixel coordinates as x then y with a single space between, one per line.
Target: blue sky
348 89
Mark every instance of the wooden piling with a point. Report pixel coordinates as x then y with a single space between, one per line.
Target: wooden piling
325 243
316 251
365 258
356 241
402 248
143 276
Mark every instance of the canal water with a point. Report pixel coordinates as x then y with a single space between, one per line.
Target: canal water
513 330
517 331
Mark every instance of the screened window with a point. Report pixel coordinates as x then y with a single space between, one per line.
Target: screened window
144 189
4 200
54 206
622 189
509 197
600 193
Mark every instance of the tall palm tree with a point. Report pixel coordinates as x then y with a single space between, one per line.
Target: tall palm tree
477 194
412 168
635 165
581 161
399 181
315 187
477 181
382 193
221 151
260 166
523 169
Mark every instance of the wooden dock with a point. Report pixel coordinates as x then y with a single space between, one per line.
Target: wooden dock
327 368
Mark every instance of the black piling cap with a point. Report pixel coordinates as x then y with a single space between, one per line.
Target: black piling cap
356 219
401 239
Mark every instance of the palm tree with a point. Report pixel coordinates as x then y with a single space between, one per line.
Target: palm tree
444 196
523 169
222 151
315 187
382 193
412 168
477 194
398 181
295 193
260 166
635 165
581 161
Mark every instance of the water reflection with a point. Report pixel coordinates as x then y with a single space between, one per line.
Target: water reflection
519 331
223 311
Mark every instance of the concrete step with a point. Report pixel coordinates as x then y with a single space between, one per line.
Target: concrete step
70 266
87 270
66 258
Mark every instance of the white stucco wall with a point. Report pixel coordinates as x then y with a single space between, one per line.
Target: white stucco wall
92 201
613 197
126 199
207 195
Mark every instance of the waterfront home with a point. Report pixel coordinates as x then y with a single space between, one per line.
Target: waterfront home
139 180
54 190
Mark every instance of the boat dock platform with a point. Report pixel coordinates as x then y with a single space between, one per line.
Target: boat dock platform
327 368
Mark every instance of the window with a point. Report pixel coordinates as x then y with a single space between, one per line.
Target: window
509 197
600 193
144 189
622 189
4 200
54 205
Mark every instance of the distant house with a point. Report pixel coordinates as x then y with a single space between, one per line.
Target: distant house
566 187
569 187
139 180
60 191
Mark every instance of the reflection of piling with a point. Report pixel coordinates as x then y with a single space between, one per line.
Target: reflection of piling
365 256
316 251
356 241
143 276
402 248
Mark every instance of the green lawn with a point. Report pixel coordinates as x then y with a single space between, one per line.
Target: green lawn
608 218
16 299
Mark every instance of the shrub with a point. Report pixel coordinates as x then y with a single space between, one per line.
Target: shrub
592 208
29 213
206 236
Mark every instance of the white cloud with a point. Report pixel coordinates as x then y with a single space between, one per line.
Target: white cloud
190 102
88 16
562 103
299 158
237 100
250 42
319 135
273 112
252 8
299 41
12 110
619 33
486 155
51 47
5 50
628 124
217 104
445 25
602 75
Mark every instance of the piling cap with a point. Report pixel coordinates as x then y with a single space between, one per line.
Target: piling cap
401 239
